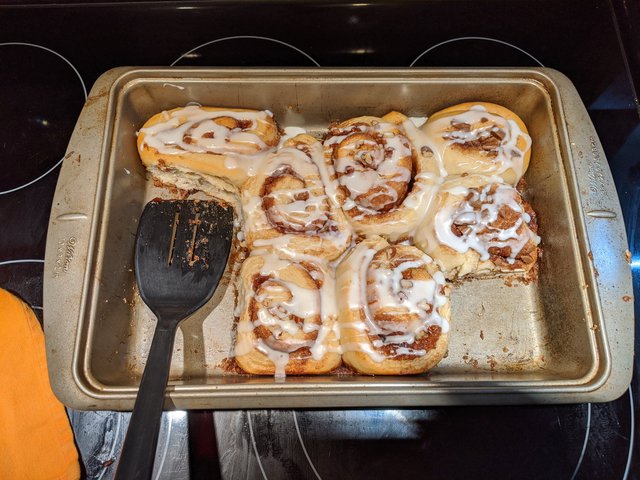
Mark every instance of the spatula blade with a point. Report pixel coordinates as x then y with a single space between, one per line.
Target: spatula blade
182 247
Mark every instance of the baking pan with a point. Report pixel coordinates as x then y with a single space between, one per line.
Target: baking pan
568 337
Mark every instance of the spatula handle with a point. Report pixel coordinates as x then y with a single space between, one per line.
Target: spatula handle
139 449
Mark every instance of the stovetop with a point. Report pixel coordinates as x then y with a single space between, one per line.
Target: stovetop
50 55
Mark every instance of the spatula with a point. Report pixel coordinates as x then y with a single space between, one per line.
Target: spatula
181 252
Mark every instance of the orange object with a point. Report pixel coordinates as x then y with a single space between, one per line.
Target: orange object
36 441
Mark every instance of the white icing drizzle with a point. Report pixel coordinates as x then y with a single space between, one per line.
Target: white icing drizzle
279 359
326 172
194 129
307 211
247 163
358 286
374 162
424 145
475 216
478 125
368 158
418 121
387 289
289 133
379 357
281 300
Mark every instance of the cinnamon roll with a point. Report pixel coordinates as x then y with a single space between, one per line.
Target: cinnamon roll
287 207
287 323
480 227
480 138
393 309
220 142
384 185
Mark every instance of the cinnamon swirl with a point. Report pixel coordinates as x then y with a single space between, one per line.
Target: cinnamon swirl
480 227
393 309
220 142
288 317
383 184
287 207
480 138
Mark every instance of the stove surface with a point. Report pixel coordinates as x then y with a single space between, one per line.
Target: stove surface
50 55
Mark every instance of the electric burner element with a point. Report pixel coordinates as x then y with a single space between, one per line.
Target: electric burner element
246 50
41 99
567 439
414 433
473 51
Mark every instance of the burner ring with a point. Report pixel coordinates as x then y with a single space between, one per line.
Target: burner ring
84 91
254 444
246 37
632 433
488 39
585 442
415 428
35 45
304 448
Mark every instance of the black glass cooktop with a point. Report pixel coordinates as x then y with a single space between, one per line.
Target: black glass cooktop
50 55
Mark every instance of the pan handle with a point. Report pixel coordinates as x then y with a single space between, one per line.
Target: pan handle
139 449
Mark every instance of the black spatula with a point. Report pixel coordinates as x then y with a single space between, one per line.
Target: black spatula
181 252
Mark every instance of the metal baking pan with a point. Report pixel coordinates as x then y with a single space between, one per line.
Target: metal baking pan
567 337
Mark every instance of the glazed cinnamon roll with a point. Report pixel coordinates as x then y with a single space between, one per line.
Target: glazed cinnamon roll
213 141
384 185
393 309
480 138
287 323
480 227
286 206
